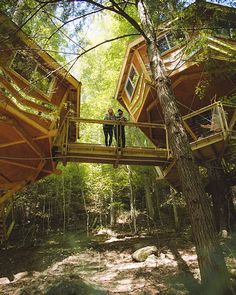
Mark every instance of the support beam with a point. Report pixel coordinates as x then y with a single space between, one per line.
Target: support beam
20 98
189 130
10 193
27 138
8 106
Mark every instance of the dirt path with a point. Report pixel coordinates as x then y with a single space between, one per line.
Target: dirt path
77 265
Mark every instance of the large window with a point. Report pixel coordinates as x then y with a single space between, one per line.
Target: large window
131 81
34 73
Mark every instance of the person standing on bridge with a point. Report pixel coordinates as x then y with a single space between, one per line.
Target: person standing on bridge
108 128
120 129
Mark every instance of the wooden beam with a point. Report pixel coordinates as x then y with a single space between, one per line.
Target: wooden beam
20 98
5 178
143 67
232 121
7 186
189 130
10 193
11 162
23 134
154 103
11 108
27 138
51 133
39 168
25 86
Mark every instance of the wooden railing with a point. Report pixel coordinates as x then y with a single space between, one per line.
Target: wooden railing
198 125
133 138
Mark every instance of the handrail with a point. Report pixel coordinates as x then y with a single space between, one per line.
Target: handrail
199 111
116 122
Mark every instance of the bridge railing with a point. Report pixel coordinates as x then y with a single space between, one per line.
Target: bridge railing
214 122
91 132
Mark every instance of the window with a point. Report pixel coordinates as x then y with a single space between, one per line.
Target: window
225 28
169 41
29 69
131 81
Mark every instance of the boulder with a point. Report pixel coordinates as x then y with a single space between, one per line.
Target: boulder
142 254
151 261
4 281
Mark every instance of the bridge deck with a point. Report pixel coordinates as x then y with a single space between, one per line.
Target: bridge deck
92 153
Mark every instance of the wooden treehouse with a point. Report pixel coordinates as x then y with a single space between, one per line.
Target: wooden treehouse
40 122
36 93
202 79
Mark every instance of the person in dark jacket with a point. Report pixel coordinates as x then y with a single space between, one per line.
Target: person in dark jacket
120 129
108 128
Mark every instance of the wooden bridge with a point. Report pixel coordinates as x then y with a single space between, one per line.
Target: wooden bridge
206 144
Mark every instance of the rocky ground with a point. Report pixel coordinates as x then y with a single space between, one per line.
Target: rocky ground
72 265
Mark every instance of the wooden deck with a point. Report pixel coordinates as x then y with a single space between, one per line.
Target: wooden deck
88 153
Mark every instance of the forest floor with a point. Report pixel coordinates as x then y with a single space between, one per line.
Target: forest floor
74 264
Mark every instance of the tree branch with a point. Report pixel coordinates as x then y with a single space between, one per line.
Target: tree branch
71 20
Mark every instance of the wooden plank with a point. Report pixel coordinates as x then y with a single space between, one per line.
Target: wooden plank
20 98
144 70
145 94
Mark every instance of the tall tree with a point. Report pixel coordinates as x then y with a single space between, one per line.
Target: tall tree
211 262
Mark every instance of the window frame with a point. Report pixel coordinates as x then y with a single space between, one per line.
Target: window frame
165 35
129 80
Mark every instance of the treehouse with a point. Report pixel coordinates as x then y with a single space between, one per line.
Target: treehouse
200 61
36 93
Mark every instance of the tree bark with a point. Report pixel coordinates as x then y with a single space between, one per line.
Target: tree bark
220 191
214 274
176 217
132 201
112 210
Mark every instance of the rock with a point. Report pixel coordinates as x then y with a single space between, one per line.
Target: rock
20 275
4 281
142 254
162 255
151 261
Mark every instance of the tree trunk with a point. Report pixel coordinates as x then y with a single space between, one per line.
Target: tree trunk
64 204
176 217
149 201
157 199
214 274
112 210
132 201
221 195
